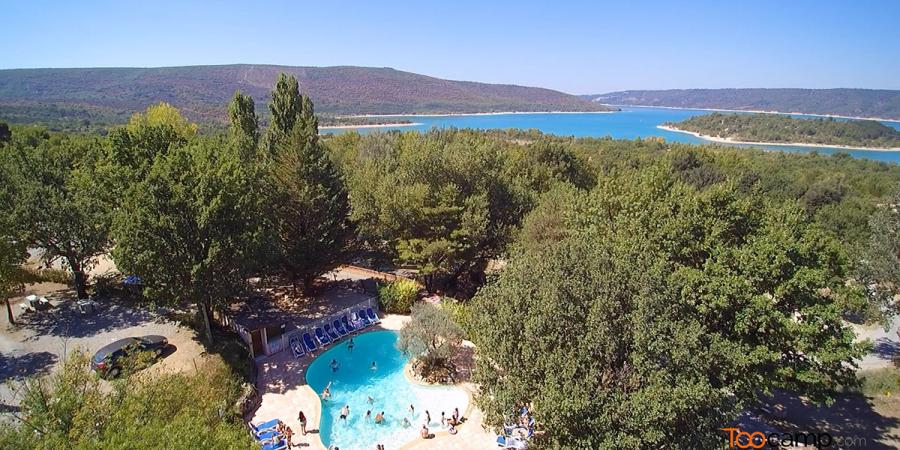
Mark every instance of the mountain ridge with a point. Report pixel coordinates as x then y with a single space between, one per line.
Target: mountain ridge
113 93
846 102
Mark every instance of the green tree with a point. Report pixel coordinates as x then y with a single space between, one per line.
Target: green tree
285 108
12 256
163 113
311 210
51 200
242 114
656 311
431 337
70 409
880 269
192 229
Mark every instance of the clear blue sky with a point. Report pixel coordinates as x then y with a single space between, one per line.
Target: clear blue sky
576 47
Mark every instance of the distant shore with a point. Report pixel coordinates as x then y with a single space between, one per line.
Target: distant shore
791 144
758 111
502 113
371 125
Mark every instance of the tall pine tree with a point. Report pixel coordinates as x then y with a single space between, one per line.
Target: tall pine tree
242 113
286 107
311 204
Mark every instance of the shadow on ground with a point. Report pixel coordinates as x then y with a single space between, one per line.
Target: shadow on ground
885 348
26 365
851 417
65 320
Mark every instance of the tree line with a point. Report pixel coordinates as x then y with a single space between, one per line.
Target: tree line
649 290
779 128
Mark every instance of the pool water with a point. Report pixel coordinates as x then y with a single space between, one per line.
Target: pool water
354 382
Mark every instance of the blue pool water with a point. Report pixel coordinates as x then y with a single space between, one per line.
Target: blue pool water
629 123
354 381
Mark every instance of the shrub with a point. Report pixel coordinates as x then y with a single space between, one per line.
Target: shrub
396 297
430 337
880 382
460 313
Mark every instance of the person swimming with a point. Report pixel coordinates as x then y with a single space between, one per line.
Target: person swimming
345 411
379 417
368 414
350 344
406 423
334 365
374 366
326 393
370 400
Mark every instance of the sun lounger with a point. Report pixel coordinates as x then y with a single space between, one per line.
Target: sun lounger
309 342
322 337
297 347
347 326
372 316
362 316
356 321
281 444
265 426
332 333
338 327
267 435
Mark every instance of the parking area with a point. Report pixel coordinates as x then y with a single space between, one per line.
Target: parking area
43 338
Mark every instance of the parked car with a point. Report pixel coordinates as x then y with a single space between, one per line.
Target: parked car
107 362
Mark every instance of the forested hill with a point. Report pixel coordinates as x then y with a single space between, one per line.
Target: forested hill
869 103
112 94
779 128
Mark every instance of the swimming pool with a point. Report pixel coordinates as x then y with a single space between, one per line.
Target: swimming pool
354 382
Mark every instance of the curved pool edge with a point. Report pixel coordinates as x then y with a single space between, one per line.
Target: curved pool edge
466 387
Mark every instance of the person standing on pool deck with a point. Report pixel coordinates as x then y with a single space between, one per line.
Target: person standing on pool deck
302 419
345 411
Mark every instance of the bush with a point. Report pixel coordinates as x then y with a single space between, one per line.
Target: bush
460 313
397 297
431 338
194 409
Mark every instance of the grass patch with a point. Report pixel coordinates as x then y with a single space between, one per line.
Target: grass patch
881 382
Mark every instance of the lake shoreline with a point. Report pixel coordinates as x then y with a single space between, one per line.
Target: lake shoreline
721 140
502 113
758 111
370 125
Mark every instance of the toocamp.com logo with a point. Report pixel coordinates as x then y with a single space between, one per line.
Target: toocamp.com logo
758 439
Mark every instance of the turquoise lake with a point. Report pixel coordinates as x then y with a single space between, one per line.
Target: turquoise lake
629 123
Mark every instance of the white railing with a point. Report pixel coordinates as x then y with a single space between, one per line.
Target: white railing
310 327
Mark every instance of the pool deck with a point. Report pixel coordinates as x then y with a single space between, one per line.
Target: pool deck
282 385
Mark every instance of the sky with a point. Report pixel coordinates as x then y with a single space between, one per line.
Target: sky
572 46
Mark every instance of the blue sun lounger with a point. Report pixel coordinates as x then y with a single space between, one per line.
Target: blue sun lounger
267 435
338 327
362 317
309 342
347 326
372 316
322 337
358 323
297 347
332 333
281 444
265 426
